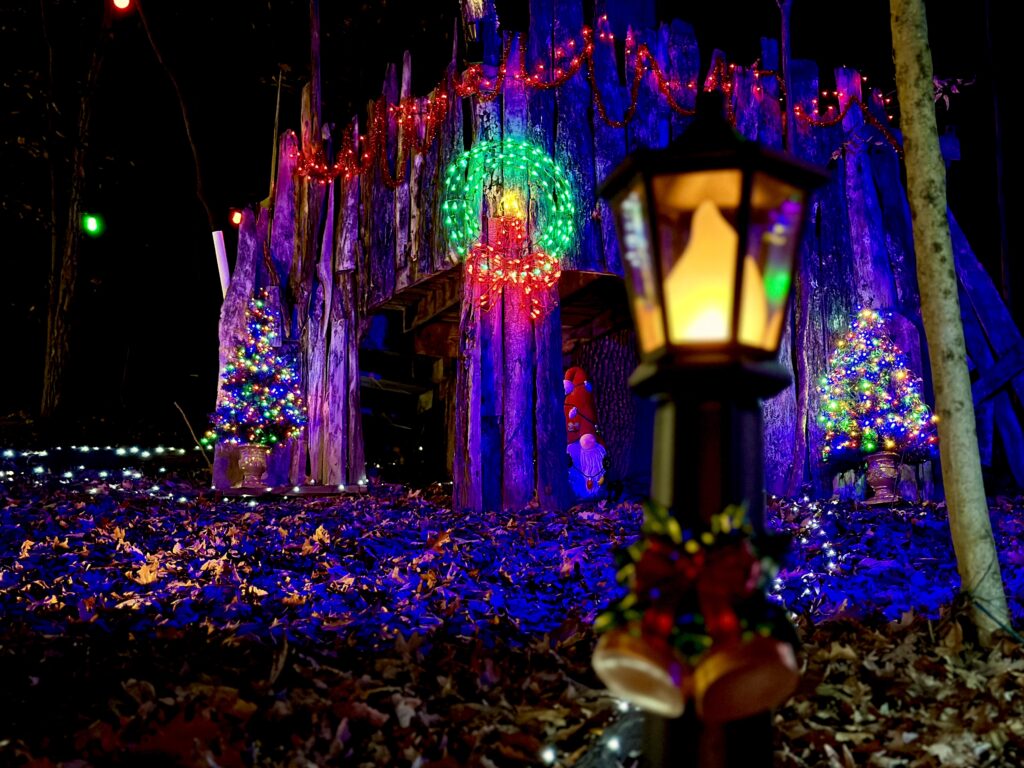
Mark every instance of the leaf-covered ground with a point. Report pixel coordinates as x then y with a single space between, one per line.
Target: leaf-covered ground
144 620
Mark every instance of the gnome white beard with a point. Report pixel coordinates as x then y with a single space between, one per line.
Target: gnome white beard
591 458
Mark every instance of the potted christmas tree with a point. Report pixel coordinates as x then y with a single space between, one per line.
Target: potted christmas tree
871 406
260 404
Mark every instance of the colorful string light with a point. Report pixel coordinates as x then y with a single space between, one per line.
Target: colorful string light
870 399
261 401
417 119
511 160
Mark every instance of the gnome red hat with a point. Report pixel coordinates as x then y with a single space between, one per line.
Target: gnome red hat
580 414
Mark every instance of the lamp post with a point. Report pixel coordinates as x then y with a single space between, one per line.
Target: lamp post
709 230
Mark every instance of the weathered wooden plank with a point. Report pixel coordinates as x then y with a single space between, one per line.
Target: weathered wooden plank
873 281
552 480
252 234
403 151
999 329
683 71
308 251
1007 423
349 244
540 45
896 222
280 460
993 316
467 481
382 200
317 383
609 141
450 143
366 265
574 141
769 94
997 376
491 330
517 401
283 229
981 356
650 125
420 172
747 104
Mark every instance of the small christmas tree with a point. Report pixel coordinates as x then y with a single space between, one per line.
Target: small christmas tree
870 400
260 402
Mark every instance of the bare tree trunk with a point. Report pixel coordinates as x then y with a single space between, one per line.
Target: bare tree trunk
64 248
940 309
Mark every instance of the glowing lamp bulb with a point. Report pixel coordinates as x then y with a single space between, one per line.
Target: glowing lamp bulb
122 5
699 290
235 217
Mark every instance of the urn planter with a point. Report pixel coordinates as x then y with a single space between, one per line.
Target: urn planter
252 461
882 473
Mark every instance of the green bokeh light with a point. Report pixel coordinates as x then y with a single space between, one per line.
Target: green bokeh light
92 224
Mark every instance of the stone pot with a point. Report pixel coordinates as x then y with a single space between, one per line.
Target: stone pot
882 474
252 461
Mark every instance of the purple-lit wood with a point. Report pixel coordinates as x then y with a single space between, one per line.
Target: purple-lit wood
403 240
858 250
316 348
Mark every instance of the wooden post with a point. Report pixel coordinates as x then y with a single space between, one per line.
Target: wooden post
316 348
404 144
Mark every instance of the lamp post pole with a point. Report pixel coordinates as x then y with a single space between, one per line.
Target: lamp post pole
708 454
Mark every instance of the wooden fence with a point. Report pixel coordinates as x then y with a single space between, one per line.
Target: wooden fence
355 226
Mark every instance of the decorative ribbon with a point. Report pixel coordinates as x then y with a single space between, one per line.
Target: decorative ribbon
501 265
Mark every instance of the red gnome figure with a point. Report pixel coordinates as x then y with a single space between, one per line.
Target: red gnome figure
585 447
580 416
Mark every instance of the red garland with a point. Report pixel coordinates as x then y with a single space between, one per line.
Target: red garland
417 119
498 267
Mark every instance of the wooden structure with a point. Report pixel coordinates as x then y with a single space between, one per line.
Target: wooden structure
345 240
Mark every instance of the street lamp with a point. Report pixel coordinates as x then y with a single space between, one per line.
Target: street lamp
709 230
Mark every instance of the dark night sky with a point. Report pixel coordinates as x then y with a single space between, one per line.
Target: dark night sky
148 301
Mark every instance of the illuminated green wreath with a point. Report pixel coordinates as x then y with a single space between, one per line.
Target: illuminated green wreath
464 184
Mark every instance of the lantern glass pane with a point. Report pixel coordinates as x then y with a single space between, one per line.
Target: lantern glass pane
776 212
638 261
699 248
